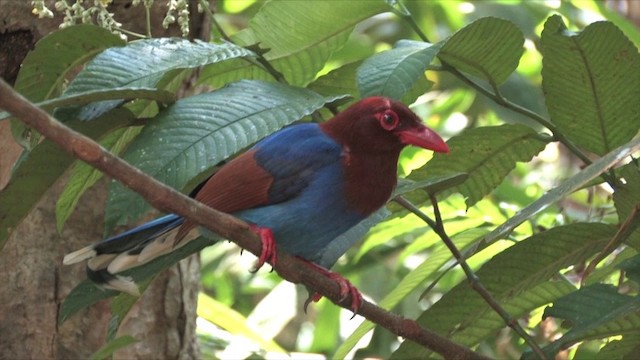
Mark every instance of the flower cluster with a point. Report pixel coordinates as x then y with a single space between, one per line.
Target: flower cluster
95 11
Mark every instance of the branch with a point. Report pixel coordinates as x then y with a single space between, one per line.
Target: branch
167 199
474 281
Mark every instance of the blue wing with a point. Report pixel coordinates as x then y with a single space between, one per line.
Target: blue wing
306 206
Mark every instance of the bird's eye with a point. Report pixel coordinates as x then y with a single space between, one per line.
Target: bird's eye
389 120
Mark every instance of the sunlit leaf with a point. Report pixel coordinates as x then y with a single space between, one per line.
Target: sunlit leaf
506 276
489 48
232 321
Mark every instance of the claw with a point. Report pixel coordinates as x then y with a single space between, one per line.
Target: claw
313 297
268 253
346 289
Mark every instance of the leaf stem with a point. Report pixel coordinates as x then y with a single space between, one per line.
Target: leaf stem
147 11
474 281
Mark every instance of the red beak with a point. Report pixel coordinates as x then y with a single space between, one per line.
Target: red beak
423 137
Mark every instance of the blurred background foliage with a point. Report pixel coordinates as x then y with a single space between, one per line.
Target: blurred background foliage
257 315
397 246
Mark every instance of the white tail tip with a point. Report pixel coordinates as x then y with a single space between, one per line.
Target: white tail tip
79 255
124 284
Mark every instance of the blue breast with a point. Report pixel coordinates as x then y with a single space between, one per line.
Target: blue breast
307 209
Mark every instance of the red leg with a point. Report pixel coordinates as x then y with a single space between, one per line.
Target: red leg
346 288
268 253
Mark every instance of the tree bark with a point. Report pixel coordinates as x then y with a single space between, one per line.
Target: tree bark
36 283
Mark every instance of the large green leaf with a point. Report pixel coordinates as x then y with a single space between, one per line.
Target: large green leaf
299 41
489 48
591 82
487 155
42 76
595 311
196 133
394 72
507 276
143 63
42 167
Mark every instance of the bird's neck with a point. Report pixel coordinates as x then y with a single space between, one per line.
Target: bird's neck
370 179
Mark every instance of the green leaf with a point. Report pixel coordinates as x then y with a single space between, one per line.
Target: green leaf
627 196
143 63
42 76
567 187
591 82
299 42
87 293
489 48
42 167
594 311
196 133
84 176
394 72
112 346
486 154
508 276
409 283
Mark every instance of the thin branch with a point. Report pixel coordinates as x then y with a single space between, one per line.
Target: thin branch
167 199
474 281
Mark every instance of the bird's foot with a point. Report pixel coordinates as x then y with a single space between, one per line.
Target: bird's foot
268 253
346 289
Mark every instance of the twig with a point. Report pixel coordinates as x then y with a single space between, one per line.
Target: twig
474 281
167 199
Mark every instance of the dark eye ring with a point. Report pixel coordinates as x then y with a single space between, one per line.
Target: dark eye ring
389 120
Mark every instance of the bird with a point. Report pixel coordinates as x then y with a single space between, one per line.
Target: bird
299 189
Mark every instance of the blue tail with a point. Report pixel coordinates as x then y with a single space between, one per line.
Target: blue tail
126 250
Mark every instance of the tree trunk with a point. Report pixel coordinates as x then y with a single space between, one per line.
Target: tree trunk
36 283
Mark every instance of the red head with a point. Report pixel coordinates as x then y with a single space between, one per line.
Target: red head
372 132
378 124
